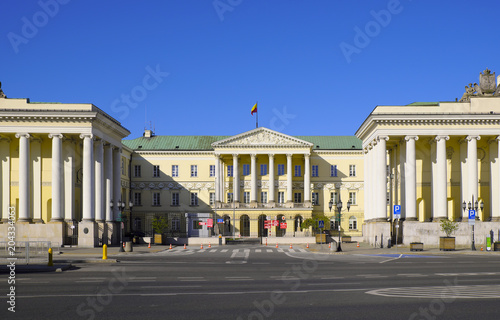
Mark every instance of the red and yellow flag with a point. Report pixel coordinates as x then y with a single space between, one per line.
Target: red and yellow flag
254 109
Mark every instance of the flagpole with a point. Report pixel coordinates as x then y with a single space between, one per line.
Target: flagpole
257 118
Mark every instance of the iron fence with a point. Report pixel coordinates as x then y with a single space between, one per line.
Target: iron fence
26 252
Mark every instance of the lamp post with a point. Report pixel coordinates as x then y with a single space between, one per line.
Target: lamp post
473 205
121 206
339 208
130 205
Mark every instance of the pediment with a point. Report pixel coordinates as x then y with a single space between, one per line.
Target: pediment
261 137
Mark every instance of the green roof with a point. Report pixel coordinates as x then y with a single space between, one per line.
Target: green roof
201 143
423 104
333 142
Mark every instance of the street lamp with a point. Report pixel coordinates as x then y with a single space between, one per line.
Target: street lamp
339 208
130 205
121 207
473 205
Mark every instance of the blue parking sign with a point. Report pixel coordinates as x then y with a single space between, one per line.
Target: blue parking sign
472 217
397 211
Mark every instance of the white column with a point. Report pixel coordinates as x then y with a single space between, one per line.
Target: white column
222 180
411 179
402 176
217 179
495 212
472 164
367 191
5 177
253 178
381 182
307 178
108 185
289 172
24 177
373 179
88 213
69 182
36 180
100 214
117 196
57 179
271 178
441 179
236 180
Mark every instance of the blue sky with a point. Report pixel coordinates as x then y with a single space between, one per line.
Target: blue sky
315 67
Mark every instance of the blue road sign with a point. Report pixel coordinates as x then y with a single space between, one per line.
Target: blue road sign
397 211
220 220
472 217
321 224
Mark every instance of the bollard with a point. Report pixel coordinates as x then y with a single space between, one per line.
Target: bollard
51 263
105 252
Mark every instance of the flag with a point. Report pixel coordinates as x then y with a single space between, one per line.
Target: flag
254 109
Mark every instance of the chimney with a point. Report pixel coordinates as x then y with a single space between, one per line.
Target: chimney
148 133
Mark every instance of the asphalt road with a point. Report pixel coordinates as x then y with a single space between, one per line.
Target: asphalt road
256 282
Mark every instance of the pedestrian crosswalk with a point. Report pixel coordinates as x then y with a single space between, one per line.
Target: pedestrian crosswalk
180 250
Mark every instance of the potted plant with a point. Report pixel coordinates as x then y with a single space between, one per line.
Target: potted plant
159 226
447 243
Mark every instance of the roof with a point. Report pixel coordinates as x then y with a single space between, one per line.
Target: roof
203 143
423 104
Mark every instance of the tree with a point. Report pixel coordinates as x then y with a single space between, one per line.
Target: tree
448 227
159 224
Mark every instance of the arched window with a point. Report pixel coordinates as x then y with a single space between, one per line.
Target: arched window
353 223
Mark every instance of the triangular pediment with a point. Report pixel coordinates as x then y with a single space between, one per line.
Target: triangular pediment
262 137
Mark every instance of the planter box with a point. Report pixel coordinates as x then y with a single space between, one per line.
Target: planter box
496 246
416 246
447 243
346 239
158 238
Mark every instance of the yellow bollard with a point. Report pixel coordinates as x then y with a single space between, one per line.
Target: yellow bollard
50 264
105 252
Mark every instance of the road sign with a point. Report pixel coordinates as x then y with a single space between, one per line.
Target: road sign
202 223
321 224
283 218
210 223
283 225
275 223
220 220
472 217
267 224
397 211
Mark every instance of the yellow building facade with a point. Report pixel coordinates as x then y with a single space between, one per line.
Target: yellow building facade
238 182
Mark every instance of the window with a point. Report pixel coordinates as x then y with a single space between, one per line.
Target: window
123 166
229 197
315 199
212 170
246 169
333 170
352 198
212 198
281 169
196 225
156 198
263 197
137 224
353 223
333 196
229 171
298 171
334 224
175 170
175 199
246 197
194 170
297 197
137 199
352 170
314 171
176 224
281 197
194 198
263 169
156 171
137 171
